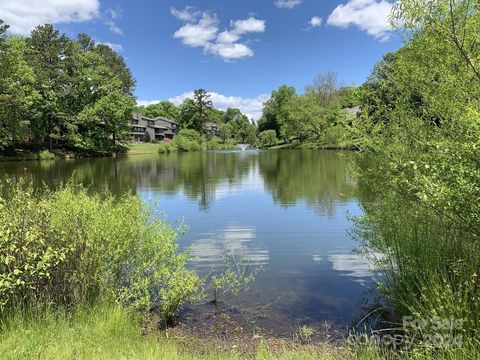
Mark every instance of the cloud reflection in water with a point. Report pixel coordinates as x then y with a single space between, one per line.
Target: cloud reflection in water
210 251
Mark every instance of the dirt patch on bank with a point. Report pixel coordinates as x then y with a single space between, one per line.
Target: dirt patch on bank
203 328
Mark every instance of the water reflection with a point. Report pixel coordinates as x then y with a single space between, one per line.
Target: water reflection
285 210
210 250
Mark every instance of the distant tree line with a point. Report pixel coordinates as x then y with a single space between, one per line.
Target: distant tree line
318 116
56 92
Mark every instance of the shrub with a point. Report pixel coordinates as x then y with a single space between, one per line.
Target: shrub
45 155
214 144
147 137
268 138
188 140
166 147
66 247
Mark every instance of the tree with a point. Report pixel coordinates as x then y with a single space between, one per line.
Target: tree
46 57
108 117
188 113
117 64
226 131
247 133
274 108
215 115
164 108
53 91
233 115
147 137
303 118
325 88
268 138
17 94
85 42
203 105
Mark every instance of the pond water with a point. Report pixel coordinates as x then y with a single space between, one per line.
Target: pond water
288 211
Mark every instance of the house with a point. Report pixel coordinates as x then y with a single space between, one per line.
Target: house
211 129
158 129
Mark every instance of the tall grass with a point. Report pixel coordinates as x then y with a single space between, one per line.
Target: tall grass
106 332
430 284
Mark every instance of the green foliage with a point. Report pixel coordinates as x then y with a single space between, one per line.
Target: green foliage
235 278
147 137
45 155
111 332
213 144
163 108
274 108
188 140
226 131
268 138
60 93
304 334
17 95
167 147
316 118
246 133
194 113
66 247
420 136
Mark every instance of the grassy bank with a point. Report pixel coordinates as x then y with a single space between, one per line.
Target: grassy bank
112 332
108 332
143 148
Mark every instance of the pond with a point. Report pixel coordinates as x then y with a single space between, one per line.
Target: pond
288 211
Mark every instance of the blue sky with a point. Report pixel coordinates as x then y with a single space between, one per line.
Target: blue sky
238 50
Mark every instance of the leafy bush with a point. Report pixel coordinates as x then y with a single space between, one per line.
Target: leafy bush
167 147
334 135
188 140
45 155
67 247
147 138
213 144
268 138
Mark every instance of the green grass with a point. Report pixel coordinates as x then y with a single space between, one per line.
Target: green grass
103 332
111 332
143 148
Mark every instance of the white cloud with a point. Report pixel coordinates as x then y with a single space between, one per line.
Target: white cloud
315 22
248 26
114 14
188 14
114 47
229 51
24 15
252 107
368 15
201 29
227 37
287 4
199 34
113 27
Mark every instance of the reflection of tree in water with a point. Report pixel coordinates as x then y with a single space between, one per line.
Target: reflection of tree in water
201 174
320 178
98 174
198 174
